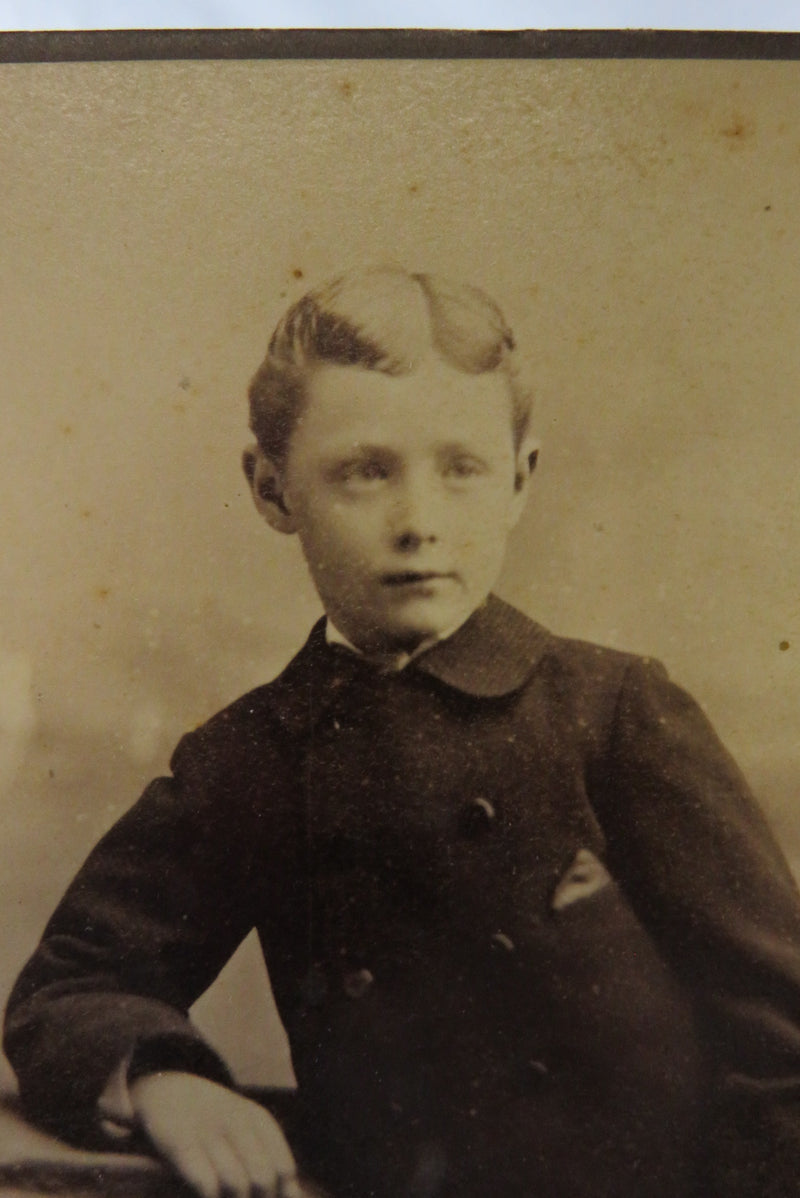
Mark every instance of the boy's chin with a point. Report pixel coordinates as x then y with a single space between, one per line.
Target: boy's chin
410 634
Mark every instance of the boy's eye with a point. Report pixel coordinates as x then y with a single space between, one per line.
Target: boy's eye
463 467
366 470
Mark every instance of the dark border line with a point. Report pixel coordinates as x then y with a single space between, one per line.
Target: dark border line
131 45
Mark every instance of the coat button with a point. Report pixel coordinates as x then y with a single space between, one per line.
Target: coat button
357 983
477 817
502 942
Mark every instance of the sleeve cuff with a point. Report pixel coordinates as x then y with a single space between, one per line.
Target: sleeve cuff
156 1055
117 1116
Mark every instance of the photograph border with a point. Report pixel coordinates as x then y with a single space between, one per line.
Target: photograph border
217 45
122 45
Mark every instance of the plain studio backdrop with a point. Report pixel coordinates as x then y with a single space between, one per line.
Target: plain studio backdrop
637 220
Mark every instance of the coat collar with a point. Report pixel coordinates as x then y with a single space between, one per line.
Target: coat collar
492 654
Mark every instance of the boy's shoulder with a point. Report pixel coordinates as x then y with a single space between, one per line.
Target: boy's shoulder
260 722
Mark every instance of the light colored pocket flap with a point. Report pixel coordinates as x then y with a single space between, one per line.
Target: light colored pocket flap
585 876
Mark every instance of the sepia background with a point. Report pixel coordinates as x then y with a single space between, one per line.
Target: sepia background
639 223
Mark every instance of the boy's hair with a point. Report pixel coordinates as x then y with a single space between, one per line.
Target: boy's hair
384 319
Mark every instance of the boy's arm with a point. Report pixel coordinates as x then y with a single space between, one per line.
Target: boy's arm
144 928
132 944
693 851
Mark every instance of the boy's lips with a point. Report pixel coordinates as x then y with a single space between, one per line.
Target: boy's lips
402 578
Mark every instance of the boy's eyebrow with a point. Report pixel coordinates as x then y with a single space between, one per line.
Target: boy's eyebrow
362 449
359 449
474 451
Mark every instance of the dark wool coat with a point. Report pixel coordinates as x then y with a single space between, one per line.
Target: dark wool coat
526 930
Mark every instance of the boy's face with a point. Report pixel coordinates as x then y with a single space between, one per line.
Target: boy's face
403 492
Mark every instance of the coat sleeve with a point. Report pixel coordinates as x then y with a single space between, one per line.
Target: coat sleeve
150 919
694 853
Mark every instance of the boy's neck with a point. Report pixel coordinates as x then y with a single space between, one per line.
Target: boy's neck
390 661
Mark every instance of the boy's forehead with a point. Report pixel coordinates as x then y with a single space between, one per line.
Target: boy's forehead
432 397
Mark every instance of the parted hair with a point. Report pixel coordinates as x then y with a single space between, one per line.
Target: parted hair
380 318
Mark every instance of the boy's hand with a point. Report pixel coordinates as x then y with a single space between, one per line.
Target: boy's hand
218 1141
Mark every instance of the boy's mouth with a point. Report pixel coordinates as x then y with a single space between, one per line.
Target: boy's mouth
403 578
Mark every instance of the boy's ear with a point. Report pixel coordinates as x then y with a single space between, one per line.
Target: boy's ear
527 457
266 484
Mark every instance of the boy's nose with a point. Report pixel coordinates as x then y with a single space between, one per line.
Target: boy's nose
412 518
409 540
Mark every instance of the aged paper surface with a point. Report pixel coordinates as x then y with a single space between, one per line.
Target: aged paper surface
638 222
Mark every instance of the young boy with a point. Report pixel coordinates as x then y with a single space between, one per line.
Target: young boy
526 930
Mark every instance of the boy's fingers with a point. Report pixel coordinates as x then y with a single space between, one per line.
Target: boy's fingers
262 1144
234 1176
289 1186
280 1154
259 1162
266 1155
196 1169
